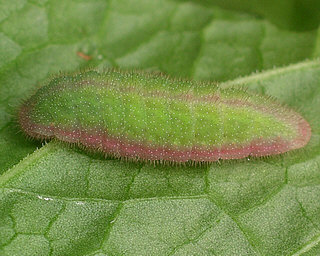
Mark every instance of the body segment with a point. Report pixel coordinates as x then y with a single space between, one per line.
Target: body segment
149 117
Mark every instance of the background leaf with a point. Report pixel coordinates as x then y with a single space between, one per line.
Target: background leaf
61 201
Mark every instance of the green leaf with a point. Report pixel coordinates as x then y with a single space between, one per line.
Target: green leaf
293 15
59 200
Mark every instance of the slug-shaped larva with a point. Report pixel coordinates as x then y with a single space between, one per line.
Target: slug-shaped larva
150 117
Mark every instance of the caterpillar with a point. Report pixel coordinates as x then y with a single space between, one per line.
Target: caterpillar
150 117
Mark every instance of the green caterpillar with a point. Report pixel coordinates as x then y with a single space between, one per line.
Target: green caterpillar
150 117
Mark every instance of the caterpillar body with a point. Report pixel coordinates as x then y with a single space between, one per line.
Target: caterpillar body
150 117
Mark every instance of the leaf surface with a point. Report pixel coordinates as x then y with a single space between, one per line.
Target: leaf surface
61 201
